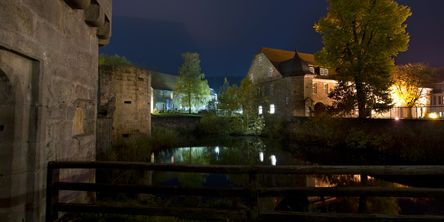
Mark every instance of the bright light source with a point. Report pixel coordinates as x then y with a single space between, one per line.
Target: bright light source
152 157
272 109
273 160
172 159
433 115
396 118
216 150
261 156
260 110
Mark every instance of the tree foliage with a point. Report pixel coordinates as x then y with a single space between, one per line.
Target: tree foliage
113 60
409 83
192 88
229 101
360 38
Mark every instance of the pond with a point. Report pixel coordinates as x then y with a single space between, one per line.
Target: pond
255 151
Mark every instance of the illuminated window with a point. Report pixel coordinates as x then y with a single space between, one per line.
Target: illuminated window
312 69
325 71
272 109
315 88
260 110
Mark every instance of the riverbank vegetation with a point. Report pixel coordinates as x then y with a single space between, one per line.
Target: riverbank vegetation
371 141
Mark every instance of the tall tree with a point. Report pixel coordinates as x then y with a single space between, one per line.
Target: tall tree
360 38
409 84
192 88
229 100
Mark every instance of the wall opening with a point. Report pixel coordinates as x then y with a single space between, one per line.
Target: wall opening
127 102
7 125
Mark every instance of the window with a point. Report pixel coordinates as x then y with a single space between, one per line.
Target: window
324 72
271 89
287 100
312 69
326 88
260 110
127 102
272 109
315 88
439 100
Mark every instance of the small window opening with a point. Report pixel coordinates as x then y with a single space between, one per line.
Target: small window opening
141 79
126 135
127 102
2 127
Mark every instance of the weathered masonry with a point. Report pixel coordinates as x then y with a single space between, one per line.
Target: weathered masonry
48 96
125 97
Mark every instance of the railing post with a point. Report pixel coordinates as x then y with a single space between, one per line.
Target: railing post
253 210
363 199
52 193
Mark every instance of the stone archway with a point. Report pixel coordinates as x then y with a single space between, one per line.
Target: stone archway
319 109
7 135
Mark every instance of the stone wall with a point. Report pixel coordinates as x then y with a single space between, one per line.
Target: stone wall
180 123
48 72
125 97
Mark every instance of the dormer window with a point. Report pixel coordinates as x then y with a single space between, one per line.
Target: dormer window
312 69
324 72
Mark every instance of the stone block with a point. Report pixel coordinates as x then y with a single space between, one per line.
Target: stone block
94 15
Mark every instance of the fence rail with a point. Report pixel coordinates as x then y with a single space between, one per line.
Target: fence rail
251 190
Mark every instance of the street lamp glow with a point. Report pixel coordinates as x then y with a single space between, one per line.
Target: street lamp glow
396 118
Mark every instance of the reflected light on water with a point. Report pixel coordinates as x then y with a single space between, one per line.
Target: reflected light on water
273 160
261 156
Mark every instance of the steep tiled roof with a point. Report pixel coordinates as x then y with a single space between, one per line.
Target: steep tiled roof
163 81
278 55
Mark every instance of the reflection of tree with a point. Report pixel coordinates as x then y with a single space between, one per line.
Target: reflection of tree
384 205
190 155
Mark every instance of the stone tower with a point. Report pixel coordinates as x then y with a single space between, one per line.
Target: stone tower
48 96
125 98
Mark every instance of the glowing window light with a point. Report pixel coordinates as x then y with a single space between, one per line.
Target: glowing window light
272 109
261 156
216 150
260 110
273 160
396 118
433 115
152 157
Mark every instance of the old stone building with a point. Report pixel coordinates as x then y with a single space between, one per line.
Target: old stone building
48 96
125 98
291 83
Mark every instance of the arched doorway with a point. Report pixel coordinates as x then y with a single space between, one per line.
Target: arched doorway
7 125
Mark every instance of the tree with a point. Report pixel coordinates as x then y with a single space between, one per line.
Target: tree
409 84
191 86
113 60
229 100
224 86
360 38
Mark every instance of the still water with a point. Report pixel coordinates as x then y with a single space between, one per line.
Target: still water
254 151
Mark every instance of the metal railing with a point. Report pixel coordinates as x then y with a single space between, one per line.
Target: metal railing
250 191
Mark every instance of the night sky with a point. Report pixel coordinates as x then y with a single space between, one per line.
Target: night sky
227 33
